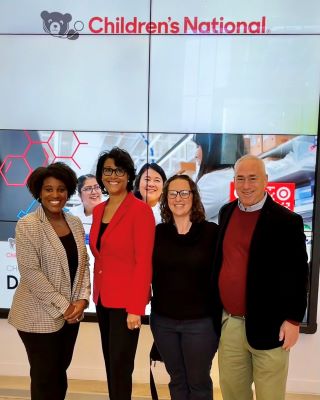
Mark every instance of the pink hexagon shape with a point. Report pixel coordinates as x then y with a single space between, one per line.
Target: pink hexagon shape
71 151
15 170
36 155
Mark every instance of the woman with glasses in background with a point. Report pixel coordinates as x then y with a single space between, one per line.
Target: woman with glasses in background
182 318
90 195
121 240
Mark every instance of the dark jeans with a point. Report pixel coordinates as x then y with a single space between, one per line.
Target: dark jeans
49 356
187 348
119 345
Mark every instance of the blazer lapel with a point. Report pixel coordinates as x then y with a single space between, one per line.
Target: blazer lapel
223 222
120 213
260 228
78 238
55 242
95 228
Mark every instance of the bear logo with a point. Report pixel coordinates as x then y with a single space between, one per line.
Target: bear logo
57 25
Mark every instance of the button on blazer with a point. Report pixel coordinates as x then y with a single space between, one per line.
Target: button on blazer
123 265
44 292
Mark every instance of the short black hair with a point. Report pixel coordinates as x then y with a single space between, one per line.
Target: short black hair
121 159
57 170
145 167
81 181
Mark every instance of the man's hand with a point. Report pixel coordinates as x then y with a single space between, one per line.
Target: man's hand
289 333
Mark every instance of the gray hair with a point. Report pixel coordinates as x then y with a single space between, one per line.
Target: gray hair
251 157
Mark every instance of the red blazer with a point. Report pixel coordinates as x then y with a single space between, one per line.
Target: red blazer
123 266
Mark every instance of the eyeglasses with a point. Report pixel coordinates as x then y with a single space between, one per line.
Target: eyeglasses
90 189
108 171
184 194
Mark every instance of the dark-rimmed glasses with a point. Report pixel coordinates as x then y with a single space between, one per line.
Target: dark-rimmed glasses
108 171
184 194
90 189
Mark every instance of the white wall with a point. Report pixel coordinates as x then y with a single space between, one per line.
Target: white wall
304 376
88 362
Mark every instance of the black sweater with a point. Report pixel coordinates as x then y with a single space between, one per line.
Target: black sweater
182 267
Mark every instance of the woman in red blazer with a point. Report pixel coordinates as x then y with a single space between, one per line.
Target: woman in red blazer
121 240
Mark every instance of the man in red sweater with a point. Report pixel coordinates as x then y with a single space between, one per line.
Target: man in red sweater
261 278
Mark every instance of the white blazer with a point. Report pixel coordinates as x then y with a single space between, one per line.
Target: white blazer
44 292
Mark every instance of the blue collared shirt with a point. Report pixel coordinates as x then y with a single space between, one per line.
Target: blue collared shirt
254 207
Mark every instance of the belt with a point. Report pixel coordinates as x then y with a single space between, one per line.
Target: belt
237 316
226 313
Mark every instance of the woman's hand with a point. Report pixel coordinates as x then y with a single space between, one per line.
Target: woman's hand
133 321
69 311
74 312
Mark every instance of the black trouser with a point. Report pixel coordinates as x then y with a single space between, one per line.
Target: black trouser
49 356
119 345
187 348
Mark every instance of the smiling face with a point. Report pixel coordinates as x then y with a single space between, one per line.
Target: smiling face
150 187
90 194
53 196
115 185
180 207
250 181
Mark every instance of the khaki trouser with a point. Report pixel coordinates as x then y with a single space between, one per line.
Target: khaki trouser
240 365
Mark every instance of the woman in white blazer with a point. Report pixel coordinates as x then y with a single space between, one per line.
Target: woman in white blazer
54 286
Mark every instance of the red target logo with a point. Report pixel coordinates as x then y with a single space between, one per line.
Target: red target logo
281 192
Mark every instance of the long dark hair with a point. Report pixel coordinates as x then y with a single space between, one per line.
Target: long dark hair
144 168
219 151
197 210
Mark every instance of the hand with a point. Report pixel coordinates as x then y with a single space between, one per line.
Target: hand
77 314
133 321
68 311
289 333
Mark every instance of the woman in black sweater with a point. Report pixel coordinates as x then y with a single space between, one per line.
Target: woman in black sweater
181 317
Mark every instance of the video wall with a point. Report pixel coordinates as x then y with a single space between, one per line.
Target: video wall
157 78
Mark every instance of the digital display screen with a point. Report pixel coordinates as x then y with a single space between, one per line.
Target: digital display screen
290 159
160 81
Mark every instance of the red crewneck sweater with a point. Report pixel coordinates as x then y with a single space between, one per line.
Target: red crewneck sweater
233 274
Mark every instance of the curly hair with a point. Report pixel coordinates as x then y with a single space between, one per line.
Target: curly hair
197 209
57 170
121 159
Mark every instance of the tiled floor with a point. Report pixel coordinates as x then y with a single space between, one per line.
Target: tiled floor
12 388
